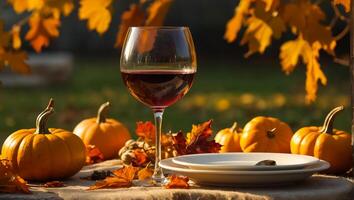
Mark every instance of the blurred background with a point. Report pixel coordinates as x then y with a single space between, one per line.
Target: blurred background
80 70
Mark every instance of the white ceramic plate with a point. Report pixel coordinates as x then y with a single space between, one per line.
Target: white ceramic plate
244 161
243 178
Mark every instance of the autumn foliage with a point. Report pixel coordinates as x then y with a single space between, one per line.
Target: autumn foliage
10 182
264 21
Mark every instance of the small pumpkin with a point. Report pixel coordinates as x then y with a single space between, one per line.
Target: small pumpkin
108 135
266 134
41 154
229 138
325 143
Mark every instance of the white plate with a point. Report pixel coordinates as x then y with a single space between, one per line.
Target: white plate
244 161
243 178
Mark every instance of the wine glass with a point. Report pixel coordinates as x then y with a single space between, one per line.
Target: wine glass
158 65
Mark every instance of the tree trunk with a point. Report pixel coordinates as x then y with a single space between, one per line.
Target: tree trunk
352 72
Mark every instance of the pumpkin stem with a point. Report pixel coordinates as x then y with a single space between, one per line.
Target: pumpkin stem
41 126
102 112
271 133
233 128
328 123
50 105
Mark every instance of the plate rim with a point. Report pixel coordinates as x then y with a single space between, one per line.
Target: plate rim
205 166
320 166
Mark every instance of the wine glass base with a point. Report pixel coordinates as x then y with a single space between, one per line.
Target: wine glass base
159 180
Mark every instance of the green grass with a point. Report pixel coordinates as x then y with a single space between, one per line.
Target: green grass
223 91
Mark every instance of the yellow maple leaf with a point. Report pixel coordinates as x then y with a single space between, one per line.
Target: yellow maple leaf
19 5
62 6
16 60
309 22
97 13
16 39
41 30
291 51
262 26
233 26
135 16
157 12
345 3
35 4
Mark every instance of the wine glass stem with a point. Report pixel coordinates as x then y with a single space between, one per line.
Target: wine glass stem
158 176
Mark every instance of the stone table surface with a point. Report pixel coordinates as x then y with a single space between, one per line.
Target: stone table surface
317 187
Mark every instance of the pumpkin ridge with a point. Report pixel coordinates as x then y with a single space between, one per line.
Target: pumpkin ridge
13 152
26 143
68 166
38 150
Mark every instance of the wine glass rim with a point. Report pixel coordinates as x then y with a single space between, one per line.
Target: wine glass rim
160 27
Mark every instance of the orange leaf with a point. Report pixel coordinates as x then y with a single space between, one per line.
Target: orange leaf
261 27
234 24
135 16
146 130
97 13
93 155
198 140
9 181
175 181
16 60
145 173
19 5
157 12
52 184
140 158
123 178
291 51
41 30
126 172
16 39
345 3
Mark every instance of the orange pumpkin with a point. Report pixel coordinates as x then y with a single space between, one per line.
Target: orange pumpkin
266 134
41 154
325 143
229 138
108 135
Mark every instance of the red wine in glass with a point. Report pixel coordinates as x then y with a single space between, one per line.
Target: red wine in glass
158 89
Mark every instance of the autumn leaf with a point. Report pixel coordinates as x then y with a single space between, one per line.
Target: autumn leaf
291 51
145 173
234 25
309 23
198 140
9 181
135 16
97 13
140 158
63 6
19 5
175 181
123 177
146 130
261 27
345 3
35 4
16 39
54 184
93 155
17 61
157 12
41 30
